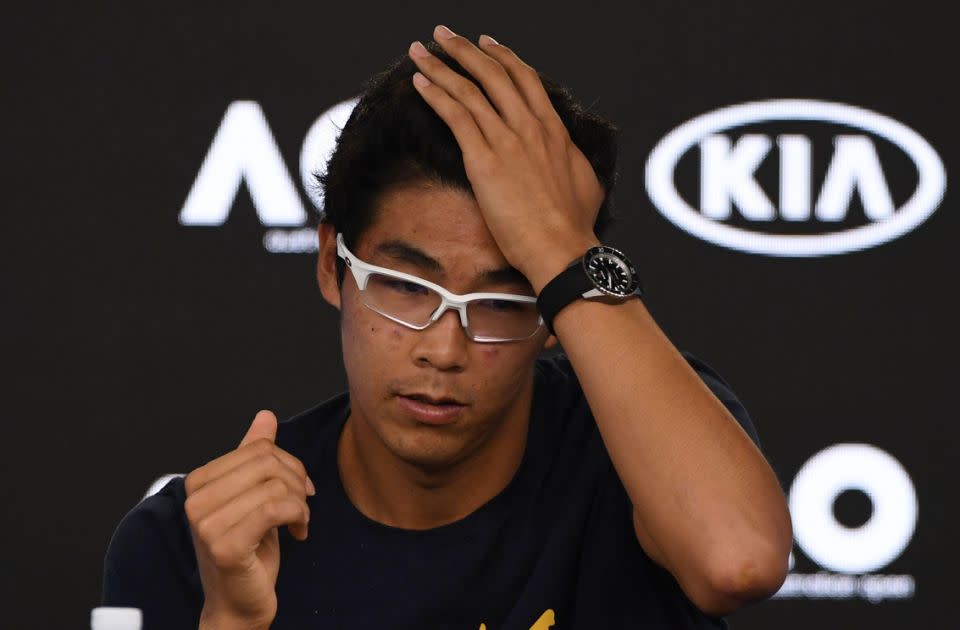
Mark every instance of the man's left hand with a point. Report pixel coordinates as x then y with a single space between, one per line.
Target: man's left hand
537 191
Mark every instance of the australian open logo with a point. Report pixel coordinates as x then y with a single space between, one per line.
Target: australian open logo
244 151
854 510
795 178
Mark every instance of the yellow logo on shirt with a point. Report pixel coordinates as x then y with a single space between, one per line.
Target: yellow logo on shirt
545 621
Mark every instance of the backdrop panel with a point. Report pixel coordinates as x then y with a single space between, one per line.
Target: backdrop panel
785 193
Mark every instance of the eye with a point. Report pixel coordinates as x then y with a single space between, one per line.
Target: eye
500 305
405 287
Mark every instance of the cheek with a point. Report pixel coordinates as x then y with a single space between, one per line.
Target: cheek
366 337
373 336
489 352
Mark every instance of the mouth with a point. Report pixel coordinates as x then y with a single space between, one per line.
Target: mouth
433 400
431 410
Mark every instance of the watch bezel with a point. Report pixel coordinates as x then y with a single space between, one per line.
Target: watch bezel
595 251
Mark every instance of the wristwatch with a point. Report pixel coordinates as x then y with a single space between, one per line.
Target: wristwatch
603 273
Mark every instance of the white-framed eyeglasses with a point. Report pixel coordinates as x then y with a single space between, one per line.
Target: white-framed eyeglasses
417 303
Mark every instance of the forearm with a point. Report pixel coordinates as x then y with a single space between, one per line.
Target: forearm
700 487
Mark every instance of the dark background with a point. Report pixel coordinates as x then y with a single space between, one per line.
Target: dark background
135 346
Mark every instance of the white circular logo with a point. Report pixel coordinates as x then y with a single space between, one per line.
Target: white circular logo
877 474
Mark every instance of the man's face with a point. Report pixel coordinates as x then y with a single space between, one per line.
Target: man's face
383 358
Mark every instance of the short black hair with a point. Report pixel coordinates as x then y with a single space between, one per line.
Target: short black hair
393 137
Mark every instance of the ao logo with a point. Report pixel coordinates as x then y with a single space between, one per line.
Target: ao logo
877 474
244 150
727 178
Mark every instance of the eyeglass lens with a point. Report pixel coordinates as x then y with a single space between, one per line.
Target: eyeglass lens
414 303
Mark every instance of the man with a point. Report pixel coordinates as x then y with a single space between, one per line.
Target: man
465 481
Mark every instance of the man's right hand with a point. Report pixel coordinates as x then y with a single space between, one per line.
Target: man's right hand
235 504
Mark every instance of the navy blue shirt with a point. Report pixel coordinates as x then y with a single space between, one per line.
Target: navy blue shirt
555 548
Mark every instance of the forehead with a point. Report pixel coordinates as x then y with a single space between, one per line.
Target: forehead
443 222
434 214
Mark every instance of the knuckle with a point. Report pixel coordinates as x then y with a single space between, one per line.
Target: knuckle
204 530
271 510
512 142
221 551
298 465
266 462
190 507
262 446
277 488
467 90
492 65
292 462
459 116
275 460
559 135
533 132
192 480
484 163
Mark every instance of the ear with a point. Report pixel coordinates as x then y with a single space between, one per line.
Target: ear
327 264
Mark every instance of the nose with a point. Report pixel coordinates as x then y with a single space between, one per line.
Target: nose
443 344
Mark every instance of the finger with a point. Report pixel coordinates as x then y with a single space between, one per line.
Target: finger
241 540
528 83
464 91
297 467
497 84
222 465
472 142
239 480
214 525
264 425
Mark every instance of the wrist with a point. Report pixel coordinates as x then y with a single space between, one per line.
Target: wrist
546 265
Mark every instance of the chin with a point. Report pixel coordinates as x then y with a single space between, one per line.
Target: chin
428 448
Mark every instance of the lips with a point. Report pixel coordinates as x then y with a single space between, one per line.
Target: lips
433 400
431 409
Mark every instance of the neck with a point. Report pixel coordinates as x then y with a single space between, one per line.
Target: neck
398 493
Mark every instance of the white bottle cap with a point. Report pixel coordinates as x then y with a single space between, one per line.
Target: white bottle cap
115 618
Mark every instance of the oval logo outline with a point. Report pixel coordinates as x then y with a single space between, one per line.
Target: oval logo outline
666 154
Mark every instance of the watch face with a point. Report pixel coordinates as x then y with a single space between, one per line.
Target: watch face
611 271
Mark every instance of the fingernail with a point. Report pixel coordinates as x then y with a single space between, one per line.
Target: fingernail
419 80
486 40
418 50
443 32
311 489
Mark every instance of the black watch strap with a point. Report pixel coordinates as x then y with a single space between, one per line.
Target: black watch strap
567 286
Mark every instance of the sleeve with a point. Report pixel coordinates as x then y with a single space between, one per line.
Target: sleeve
723 391
150 562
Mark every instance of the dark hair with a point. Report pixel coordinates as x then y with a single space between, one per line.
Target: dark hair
394 137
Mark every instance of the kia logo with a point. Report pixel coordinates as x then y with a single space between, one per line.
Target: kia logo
728 179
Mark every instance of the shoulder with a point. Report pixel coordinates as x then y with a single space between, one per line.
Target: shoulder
156 513
151 548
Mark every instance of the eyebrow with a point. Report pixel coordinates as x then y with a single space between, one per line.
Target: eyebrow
403 251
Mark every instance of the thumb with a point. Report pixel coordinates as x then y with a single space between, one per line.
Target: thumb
264 425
